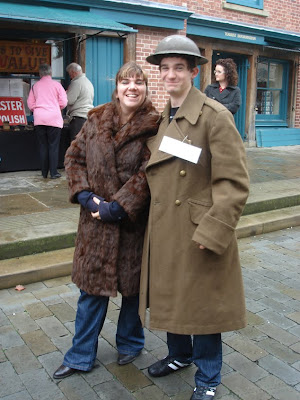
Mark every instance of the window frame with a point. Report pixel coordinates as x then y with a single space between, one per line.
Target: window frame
259 4
281 118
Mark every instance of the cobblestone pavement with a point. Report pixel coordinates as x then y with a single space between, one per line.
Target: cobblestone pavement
261 362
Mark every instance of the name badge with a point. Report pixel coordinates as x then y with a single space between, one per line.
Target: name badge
179 149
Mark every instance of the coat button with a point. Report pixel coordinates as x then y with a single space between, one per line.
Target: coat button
182 172
177 202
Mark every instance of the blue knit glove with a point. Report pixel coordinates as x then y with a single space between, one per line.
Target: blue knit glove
85 198
111 212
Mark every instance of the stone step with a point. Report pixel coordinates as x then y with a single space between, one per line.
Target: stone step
269 221
37 232
57 263
270 204
55 230
35 267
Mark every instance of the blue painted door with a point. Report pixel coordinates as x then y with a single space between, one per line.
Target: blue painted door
242 69
104 57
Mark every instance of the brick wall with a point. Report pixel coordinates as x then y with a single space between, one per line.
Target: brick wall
283 14
146 43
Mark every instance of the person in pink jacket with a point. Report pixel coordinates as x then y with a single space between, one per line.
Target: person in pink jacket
46 99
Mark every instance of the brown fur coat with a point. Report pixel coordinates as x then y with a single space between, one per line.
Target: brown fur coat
110 160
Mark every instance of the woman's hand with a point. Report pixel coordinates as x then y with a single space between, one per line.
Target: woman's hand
201 247
96 214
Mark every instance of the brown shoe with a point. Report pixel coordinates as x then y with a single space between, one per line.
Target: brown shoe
63 371
124 359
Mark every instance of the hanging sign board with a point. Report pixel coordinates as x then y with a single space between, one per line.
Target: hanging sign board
12 110
23 57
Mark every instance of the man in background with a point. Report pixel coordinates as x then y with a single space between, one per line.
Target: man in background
80 98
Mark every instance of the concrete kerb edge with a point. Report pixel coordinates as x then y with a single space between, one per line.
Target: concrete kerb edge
37 275
38 245
244 231
271 204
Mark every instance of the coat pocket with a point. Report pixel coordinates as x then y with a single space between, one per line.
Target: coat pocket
197 209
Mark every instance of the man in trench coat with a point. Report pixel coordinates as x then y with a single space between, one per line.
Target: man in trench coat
191 276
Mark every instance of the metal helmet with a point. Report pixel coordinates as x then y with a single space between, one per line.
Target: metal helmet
176 45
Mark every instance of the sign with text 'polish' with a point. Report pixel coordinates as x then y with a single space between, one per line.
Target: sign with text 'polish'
12 110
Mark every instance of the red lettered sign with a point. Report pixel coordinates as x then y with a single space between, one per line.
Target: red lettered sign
12 110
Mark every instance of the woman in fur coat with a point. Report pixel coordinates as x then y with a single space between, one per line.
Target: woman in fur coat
105 167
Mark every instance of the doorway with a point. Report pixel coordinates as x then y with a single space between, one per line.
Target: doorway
242 64
104 57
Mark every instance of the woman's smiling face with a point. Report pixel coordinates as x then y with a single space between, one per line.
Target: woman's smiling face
131 92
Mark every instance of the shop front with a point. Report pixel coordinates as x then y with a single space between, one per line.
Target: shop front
31 35
267 67
19 66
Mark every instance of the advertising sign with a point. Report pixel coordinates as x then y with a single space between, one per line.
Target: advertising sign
12 110
23 57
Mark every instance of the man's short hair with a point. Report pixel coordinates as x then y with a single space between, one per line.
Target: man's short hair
74 67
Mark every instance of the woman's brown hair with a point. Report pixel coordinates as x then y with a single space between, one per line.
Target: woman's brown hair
229 66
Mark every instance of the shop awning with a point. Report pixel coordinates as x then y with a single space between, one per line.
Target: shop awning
60 16
219 28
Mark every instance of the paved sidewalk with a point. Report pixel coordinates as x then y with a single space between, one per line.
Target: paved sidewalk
33 208
261 362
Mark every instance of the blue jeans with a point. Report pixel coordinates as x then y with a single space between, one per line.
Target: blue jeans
205 351
90 316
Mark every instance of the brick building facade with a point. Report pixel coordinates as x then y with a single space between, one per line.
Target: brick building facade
262 36
276 20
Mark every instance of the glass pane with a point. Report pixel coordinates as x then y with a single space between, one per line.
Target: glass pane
263 102
275 75
248 3
268 102
57 59
262 74
258 106
276 102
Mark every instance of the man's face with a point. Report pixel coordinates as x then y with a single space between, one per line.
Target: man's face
176 76
72 74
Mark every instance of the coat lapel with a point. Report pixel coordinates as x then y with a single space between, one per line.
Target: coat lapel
224 94
178 128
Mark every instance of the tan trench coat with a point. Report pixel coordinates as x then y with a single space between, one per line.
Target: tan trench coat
188 290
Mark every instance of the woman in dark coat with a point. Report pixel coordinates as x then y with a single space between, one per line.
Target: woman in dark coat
225 89
105 167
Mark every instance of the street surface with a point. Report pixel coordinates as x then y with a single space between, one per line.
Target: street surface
261 362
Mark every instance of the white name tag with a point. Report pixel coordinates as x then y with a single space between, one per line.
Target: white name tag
179 149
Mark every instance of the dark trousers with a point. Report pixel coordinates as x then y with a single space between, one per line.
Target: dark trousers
204 350
49 139
75 125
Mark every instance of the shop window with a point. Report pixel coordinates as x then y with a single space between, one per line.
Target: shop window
57 59
19 64
271 100
248 3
